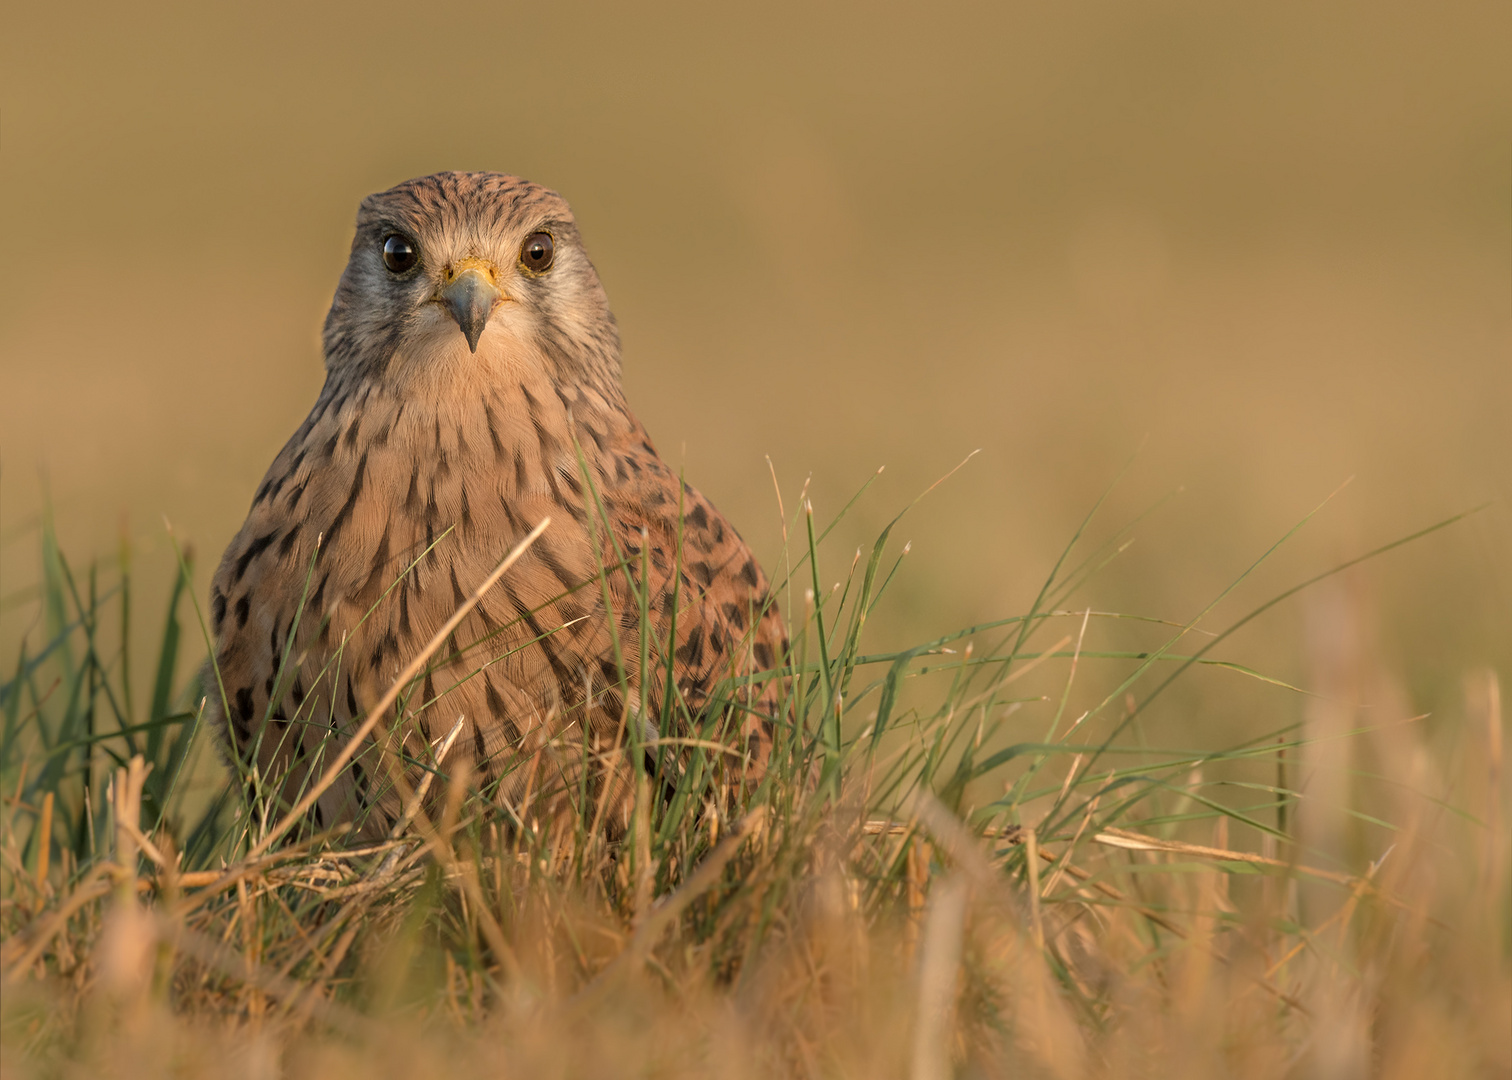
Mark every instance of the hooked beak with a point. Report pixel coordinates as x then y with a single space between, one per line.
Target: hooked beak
471 296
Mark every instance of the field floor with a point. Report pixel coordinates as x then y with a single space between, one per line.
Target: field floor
968 858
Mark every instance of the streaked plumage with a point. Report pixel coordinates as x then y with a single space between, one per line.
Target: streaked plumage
414 434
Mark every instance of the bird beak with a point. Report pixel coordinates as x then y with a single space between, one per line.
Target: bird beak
471 296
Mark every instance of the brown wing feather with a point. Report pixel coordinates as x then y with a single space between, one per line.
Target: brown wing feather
713 598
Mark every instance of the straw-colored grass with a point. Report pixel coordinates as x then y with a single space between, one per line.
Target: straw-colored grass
966 860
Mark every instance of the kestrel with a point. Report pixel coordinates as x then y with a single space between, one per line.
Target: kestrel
472 390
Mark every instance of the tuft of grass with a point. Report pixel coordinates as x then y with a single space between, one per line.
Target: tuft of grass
966 858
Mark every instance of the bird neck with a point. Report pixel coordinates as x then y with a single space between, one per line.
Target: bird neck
522 429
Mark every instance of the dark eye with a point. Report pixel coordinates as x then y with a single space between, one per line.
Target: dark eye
537 252
399 254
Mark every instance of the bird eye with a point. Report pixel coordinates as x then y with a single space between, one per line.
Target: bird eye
537 252
399 254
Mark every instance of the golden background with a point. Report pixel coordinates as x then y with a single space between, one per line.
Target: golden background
1257 249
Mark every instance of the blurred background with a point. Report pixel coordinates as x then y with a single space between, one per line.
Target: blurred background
1248 251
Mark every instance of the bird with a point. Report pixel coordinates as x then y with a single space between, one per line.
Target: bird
473 390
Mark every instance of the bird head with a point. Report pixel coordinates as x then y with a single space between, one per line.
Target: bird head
468 272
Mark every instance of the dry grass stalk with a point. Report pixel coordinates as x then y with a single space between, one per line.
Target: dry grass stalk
852 919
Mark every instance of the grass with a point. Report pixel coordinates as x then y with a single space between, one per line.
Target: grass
969 858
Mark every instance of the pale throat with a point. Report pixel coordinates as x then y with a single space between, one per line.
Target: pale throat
508 398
